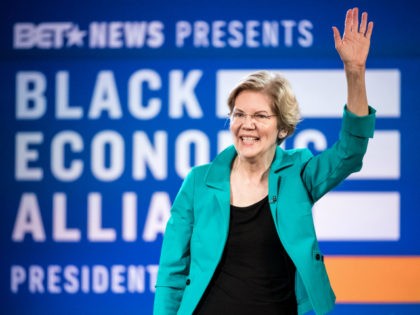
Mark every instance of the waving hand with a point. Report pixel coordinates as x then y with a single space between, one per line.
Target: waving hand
353 47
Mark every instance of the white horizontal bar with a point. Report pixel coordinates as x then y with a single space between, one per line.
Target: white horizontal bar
358 216
382 159
322 93
381 162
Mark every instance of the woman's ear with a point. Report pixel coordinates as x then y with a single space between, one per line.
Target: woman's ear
282 134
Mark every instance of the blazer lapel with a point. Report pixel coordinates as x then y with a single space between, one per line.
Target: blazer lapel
218 182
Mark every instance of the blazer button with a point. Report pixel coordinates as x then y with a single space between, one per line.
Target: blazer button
318 257
188 282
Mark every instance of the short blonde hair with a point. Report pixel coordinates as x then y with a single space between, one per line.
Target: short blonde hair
278 89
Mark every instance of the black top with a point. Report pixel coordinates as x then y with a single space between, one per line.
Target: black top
255 274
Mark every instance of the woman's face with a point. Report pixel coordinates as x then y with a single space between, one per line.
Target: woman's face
254 137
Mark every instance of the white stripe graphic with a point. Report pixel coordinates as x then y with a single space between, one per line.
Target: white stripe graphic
321 93
381 162
358 216
382 159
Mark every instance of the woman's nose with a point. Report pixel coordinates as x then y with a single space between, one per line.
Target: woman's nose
249 122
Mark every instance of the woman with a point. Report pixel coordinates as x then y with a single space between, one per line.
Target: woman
241 237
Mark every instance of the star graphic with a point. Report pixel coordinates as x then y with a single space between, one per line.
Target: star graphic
75 37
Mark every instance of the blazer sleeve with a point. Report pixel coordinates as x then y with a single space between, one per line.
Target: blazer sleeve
175 255
323 172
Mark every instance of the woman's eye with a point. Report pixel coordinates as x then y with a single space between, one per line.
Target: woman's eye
261 116
238 115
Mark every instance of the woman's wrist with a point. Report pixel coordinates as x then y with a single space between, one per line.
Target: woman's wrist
355 70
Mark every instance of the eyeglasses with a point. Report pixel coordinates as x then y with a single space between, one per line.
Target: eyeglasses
258 117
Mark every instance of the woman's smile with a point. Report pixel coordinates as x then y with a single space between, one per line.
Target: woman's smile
249 139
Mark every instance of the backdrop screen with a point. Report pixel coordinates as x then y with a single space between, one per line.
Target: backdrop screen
106 106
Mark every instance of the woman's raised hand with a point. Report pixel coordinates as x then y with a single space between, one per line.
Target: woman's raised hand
353 47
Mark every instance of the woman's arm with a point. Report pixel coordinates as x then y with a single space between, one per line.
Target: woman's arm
323 172
353 49
175 255
326 170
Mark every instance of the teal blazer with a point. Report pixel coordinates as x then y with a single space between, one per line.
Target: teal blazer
197 230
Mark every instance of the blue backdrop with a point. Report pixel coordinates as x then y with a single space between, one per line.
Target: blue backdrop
106 105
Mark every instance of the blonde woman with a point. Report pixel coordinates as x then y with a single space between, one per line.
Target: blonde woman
241 237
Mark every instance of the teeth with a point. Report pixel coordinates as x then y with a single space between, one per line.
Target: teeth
249 139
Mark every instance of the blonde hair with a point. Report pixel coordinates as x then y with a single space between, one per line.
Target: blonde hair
278 89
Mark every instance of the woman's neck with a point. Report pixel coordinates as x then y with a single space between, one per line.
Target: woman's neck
249 170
